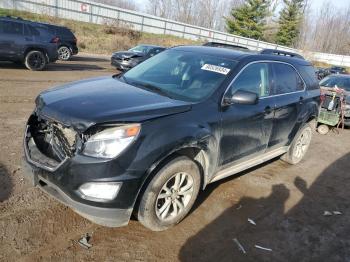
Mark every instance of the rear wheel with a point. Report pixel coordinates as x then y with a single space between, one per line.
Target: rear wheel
299 146
323 129
35 60
170 194
64 53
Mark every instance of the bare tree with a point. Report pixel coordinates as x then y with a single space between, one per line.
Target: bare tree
329 31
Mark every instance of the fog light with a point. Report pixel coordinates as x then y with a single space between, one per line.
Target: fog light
100 190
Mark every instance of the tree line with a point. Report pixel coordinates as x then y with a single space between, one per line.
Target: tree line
290 23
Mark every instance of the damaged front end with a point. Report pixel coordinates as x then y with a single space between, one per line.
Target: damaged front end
48 144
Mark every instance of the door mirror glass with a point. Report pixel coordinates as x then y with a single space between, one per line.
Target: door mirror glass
241 97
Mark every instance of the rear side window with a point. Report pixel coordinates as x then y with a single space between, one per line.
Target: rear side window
287 80
12 28
254 78
29 30
64 32
308 74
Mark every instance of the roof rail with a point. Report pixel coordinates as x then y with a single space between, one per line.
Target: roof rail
280 52
14 17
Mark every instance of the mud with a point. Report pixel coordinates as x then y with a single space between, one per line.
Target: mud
286 202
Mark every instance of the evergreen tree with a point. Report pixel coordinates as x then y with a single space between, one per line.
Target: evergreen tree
289 22
248 20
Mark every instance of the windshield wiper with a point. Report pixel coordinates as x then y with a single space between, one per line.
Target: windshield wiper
153 88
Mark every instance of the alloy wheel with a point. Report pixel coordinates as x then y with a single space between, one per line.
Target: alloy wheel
174 196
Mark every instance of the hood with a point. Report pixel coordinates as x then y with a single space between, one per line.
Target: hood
85 103
127 54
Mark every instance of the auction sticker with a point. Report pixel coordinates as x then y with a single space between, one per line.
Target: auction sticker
216 69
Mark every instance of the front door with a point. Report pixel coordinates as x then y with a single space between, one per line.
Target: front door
246 129
11 40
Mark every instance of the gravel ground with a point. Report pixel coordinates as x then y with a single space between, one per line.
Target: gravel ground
286 202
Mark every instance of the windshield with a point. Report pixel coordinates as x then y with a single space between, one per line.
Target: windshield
341 82
181 75
140 49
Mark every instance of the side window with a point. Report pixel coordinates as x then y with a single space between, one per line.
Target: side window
155 51
34 31
13 28
254 78
287 80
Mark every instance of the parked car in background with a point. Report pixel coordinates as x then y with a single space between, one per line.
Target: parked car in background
125 60
22 41
343 82
321 72
67 46
337 70
147 141
224 45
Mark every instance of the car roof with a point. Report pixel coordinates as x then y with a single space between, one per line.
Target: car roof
238 55
18 19
147 45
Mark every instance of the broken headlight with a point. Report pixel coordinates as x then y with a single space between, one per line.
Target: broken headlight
110 142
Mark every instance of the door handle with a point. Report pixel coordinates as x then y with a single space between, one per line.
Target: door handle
301 100
29 39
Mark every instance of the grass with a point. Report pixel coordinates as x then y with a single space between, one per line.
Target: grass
103 39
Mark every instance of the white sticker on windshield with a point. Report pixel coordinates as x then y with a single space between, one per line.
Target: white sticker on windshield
216 69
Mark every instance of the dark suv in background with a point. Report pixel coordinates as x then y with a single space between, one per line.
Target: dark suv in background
67 45
25 42
148 140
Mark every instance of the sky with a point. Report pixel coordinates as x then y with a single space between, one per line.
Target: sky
316 4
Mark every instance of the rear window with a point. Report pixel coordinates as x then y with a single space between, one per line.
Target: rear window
287 80
308 74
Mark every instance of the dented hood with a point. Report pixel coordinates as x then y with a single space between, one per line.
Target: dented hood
103 100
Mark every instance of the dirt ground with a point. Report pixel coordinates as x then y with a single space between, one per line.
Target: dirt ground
286 202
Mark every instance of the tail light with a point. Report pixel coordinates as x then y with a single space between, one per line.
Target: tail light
55 40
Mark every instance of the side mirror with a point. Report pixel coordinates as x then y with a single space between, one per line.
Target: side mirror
241 97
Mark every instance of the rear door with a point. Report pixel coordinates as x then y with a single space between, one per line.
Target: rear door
289 90
246 129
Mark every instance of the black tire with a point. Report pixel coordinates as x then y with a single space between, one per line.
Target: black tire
35 60
299 146
64 53
148 212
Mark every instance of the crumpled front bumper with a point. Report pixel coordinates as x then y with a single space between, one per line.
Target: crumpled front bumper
110 217
59 182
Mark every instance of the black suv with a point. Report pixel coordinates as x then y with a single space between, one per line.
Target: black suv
26 42
148 140
67 46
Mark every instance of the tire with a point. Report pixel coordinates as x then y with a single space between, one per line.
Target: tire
161 207
323 129
299 146
35 60
64 53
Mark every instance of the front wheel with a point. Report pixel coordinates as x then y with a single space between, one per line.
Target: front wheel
299 146
170 194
